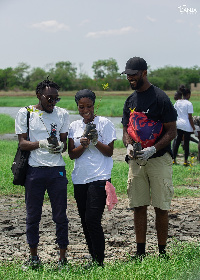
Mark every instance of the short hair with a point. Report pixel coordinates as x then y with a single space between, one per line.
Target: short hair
46 83
85 93
186 92
178 95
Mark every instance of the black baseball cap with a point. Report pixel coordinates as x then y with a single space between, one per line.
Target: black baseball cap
134 64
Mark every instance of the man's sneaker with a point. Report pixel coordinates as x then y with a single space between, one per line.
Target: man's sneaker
62 263
33 262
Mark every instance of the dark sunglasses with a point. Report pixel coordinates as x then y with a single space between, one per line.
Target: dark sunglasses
51 100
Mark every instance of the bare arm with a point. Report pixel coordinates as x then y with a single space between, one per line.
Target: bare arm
77 152
191 121
126 138
106 150
169 135
27 145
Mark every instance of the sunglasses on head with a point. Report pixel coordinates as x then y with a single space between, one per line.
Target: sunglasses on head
51 100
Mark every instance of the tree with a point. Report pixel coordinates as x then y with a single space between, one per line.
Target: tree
64 74
191 75
8 79
36 76
105 71
103 68
84 81
21 73
170 78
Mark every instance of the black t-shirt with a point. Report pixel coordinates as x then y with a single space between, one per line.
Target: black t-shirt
156 105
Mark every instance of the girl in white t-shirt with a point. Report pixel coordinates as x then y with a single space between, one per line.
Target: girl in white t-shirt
185 125
92 150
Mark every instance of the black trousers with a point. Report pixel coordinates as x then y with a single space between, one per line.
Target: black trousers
38 180
91 200
179 138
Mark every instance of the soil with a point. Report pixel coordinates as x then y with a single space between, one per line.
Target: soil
118 225
184 225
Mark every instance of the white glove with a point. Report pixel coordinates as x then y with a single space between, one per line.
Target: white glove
58 149
44 144
146 153
129 151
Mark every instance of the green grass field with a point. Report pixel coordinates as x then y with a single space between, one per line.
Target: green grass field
184 262
183 265
111 104
185 180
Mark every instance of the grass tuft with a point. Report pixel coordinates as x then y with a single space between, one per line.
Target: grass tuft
183 263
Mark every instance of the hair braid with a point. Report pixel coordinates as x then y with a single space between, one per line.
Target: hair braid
46 83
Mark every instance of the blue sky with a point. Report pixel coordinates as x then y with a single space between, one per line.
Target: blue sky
43 32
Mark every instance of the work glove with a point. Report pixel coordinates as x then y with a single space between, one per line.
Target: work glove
129 151
44 144
146 153
58 149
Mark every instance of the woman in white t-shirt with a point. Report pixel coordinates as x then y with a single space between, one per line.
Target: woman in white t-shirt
92 149
185 125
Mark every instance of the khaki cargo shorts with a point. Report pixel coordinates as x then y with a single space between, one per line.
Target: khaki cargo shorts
151 184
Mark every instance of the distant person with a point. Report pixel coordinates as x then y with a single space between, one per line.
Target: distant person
178 95
196 120
46 171
185 124
91 143
149 120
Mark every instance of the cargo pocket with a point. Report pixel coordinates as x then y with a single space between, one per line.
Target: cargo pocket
168 193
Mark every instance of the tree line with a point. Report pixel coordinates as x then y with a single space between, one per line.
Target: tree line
64 73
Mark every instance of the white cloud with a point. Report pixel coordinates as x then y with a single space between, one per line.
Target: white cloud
112 32
84 22
151 19
50 25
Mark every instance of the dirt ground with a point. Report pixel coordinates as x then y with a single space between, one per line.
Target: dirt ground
184 225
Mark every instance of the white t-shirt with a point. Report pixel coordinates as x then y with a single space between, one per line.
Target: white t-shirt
92 165
183 108
39 129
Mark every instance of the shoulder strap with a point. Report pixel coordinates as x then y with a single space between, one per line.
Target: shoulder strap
28 116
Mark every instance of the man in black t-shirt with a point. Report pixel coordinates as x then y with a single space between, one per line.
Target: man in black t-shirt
149 126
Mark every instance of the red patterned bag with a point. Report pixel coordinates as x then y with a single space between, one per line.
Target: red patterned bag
143 130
